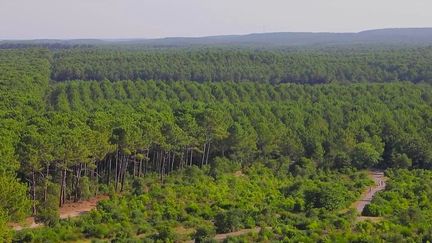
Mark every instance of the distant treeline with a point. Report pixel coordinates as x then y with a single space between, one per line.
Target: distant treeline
213 65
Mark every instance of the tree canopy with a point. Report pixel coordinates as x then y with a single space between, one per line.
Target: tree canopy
173 123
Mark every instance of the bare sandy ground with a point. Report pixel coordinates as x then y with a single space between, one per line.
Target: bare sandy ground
69 210
221 237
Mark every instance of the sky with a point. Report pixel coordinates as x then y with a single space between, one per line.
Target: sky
71 19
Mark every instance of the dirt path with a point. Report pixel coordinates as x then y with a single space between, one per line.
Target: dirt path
69 210
221 237
366 198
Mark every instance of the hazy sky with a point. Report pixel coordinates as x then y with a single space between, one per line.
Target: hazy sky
20 19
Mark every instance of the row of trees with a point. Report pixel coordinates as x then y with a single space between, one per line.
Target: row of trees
202 65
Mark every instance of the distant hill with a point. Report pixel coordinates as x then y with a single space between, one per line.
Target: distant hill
403 36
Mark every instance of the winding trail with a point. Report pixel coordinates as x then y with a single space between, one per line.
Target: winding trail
367 196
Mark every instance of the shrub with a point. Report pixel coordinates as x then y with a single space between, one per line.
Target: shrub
328 196
229 221
98 231
165 234
5 233
47 211
138 186
84 188
204 234
265 234
222 165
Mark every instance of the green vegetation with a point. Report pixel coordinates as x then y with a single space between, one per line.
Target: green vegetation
192 200
24 77
405 206
362 65
406 199
192 159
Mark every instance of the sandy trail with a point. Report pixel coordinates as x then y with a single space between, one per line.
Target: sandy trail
366 198
221 237
69 210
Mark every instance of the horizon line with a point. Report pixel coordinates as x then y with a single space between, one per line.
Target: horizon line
202 36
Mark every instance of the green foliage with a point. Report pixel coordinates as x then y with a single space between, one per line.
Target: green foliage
278 66
47 211
401 161
206 206
156 142
221 166
229 221
14 204
342 161
85 188
303 167
405 206
204 234
5 232
327 196
165 234
365 156
138 186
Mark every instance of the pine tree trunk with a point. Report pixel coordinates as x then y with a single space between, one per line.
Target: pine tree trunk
65 186
109 169
134 167
126 161
77 183
173 161
203 155
161 161
33 193
46 183
120 171
162 169
117 171
155 161
96 178
147 159
181 159
169 162
61 188
85 169
140 168
208 153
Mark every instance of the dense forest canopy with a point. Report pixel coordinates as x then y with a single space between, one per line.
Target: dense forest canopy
24 77
213 65
154 124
